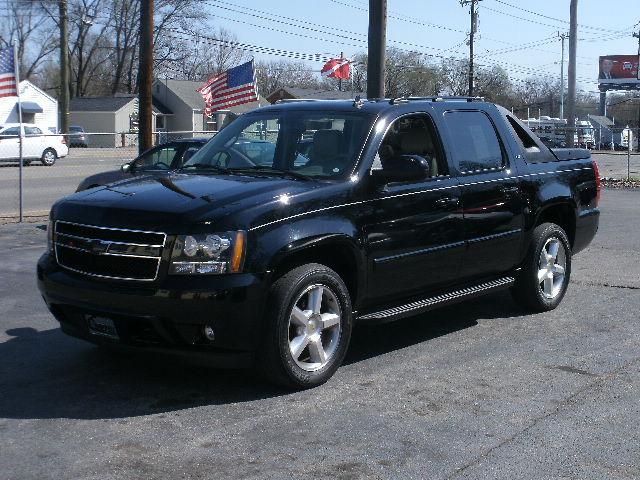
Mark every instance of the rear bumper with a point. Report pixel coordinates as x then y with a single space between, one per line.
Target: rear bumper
169 317
62 151
586 228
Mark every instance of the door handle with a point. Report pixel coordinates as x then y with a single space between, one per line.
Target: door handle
443 202
510 191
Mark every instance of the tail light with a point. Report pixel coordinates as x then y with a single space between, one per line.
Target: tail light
596 171
63 140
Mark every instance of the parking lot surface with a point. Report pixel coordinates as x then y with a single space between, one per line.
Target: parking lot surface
476 390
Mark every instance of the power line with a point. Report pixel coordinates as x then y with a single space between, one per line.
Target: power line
304 22
552 18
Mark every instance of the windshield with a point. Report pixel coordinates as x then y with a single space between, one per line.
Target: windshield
305 144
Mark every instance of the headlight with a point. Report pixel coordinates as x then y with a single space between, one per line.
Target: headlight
208 254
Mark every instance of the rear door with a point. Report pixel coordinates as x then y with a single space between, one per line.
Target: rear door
490 191
34 144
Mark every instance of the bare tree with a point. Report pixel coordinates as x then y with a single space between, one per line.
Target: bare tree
453 73
89 48
30 27
284 73
203 53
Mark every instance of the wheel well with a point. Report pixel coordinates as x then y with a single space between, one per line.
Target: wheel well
562 215
338 257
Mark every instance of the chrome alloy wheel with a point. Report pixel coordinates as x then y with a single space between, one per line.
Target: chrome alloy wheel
551 268
49 157
314 327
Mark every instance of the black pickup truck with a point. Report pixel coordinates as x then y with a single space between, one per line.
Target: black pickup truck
301 218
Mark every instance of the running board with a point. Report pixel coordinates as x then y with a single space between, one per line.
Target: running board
419 306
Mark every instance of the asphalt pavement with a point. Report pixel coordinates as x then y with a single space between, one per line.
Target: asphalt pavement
479 390
44 185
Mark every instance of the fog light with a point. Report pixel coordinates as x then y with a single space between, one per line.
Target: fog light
209 333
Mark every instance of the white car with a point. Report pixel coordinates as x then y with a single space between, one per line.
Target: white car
36 144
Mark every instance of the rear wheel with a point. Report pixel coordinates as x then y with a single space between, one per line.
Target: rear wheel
49 157
545 273
309 326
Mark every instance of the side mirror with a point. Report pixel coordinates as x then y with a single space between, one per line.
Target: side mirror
402 168
127 167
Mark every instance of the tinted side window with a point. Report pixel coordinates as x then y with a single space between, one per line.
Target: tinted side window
32 131
189 152
523 137
158 158
474 143
12 131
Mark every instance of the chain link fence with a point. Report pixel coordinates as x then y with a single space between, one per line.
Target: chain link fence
46 178
54 165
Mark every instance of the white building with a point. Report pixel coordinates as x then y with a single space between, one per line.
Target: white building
37 107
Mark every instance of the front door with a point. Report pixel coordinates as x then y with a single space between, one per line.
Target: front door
493 219
10 143
414 233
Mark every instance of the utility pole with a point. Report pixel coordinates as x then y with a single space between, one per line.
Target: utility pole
376 48
64 67
563 37
474 28
637 35
573 49
145 75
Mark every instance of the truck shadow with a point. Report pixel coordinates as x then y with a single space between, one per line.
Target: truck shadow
45 374
369 341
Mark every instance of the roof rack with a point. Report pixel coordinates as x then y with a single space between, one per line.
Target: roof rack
293 100
436 98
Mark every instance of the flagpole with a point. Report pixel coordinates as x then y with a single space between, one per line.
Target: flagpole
353 68
16 66
340 79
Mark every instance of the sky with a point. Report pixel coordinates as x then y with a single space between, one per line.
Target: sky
525 44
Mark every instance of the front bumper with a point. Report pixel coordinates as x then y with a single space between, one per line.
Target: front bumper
168 316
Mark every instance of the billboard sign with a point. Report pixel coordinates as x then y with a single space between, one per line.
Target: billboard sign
619 71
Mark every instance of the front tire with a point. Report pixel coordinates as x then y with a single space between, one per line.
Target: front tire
546 270
309 321
49 157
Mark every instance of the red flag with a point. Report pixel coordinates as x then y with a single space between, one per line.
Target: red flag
337 68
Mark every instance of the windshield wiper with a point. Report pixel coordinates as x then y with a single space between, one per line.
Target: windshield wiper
275 171
205 166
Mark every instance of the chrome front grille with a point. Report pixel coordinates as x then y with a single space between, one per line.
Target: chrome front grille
108 252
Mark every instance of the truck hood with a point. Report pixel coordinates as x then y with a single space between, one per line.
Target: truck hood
176 198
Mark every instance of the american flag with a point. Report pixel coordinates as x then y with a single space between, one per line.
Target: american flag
8 86
228 89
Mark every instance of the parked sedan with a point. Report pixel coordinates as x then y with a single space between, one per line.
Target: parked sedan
35 144
161 158
78 137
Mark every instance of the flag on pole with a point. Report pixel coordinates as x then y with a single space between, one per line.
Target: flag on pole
228 89
8 83
337 68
